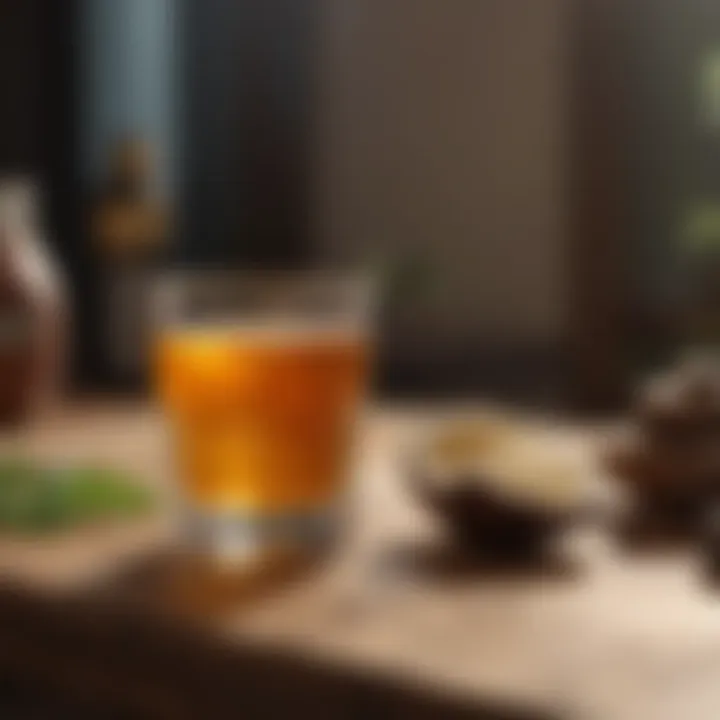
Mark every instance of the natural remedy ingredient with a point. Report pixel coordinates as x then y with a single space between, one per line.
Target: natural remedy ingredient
669 452
37 499
520 464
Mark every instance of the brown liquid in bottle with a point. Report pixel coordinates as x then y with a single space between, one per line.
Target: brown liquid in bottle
18 341
30 314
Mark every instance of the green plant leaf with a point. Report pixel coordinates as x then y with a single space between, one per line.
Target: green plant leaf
34 498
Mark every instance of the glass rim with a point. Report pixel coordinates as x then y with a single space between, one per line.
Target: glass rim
271 272
368 281
179 285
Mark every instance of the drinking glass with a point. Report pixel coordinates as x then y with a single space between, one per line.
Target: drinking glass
261 377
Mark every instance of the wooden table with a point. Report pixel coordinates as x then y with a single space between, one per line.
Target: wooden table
396 624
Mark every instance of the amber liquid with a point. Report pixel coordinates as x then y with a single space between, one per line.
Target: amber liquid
262 418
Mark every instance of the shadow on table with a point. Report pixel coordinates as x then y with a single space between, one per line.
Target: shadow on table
119 653
190 586
648 529
449 563
173 583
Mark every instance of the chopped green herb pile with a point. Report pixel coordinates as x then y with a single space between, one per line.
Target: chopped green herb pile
38 499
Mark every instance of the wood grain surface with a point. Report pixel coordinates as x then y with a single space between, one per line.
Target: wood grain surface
396 622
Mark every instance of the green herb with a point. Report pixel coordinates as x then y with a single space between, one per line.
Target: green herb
34 498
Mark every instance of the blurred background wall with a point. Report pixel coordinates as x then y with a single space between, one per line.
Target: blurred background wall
444 137
670 147
248 72
129 82
539 160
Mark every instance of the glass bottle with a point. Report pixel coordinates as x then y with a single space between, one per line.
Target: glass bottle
33 310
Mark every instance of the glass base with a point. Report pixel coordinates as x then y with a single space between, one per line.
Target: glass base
242 537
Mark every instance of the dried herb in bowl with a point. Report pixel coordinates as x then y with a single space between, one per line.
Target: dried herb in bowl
39 499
